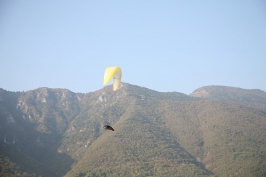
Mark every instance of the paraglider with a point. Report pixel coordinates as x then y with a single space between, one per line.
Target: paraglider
108 127
115 73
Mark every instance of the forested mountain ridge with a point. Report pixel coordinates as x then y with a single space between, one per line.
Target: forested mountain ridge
55 132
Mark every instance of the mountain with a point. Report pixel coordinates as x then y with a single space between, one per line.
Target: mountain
215 131
252 98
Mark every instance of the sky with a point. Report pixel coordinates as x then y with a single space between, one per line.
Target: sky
170 45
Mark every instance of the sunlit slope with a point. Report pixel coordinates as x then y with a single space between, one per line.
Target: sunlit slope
228 139
106 107
158 136
141 145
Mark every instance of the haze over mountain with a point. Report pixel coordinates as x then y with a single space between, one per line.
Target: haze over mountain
214 131
253 98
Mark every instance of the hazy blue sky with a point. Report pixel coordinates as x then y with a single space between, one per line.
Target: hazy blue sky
163 45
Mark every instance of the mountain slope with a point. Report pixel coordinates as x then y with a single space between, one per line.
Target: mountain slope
31 127
253 98
55 132
140 146
218 135
227 139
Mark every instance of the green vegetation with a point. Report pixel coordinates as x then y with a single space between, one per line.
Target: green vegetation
217 131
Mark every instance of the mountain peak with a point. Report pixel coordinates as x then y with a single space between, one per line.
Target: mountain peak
250 97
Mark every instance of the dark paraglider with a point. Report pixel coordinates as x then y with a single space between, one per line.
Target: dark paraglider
108 127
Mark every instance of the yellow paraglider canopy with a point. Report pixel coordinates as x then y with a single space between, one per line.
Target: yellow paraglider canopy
115 73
